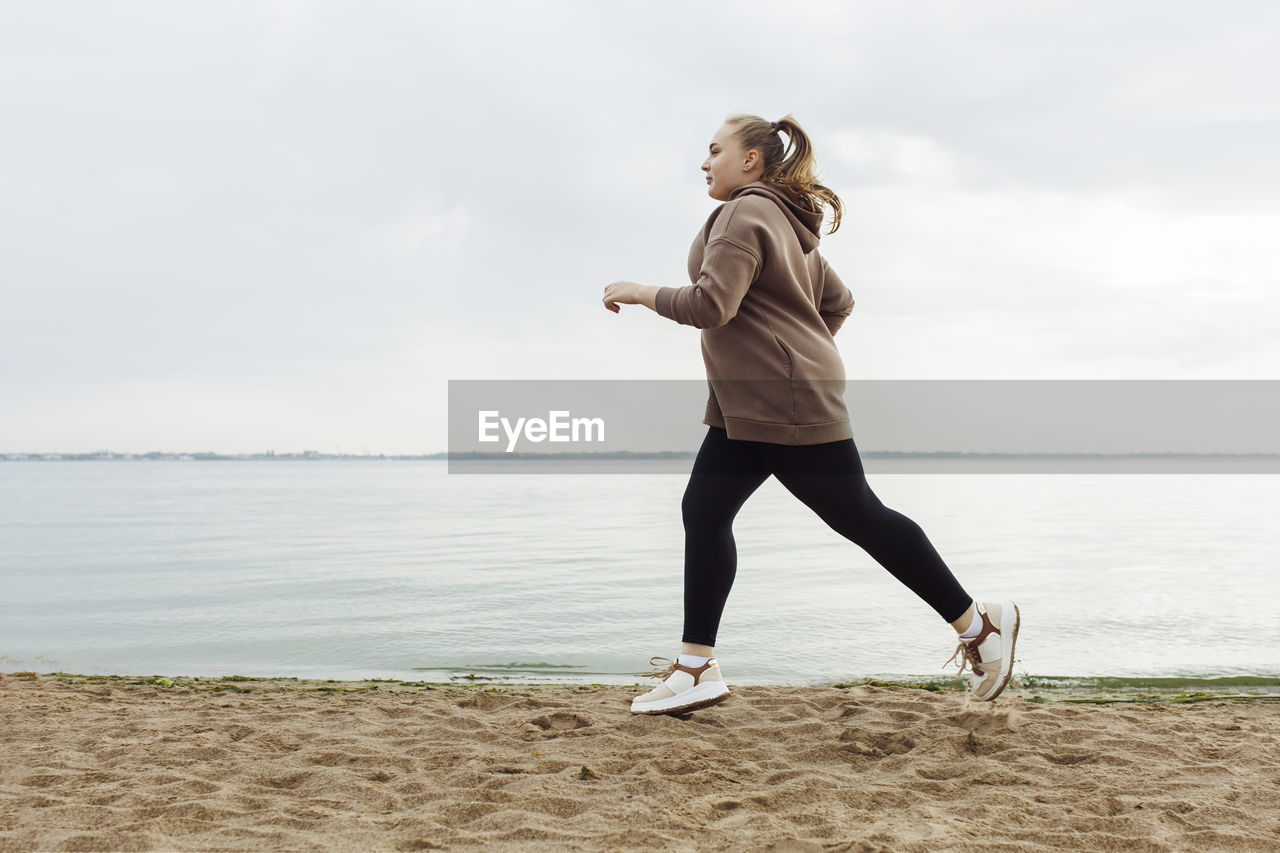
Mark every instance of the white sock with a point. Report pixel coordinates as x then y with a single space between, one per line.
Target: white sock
975 625
692 660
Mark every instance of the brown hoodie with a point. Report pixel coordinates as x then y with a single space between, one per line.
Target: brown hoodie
768 305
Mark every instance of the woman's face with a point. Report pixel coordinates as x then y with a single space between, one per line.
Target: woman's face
728 166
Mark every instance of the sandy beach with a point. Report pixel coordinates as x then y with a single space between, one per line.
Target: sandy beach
98 763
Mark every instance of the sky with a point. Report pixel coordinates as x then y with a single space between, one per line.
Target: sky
248 226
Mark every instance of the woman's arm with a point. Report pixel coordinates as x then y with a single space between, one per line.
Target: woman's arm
630 293
836 302
731 262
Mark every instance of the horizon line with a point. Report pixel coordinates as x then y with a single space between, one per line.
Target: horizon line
312 455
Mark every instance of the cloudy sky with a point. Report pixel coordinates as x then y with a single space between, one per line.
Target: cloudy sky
286 225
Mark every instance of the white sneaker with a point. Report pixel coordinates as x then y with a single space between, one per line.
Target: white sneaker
991 652
683 688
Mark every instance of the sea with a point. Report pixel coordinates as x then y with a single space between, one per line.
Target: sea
397 569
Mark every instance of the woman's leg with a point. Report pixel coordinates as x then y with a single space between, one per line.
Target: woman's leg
830 480
725 473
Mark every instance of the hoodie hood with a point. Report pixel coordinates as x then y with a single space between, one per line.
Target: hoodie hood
805 222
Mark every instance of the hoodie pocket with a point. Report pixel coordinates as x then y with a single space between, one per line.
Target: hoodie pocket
786 356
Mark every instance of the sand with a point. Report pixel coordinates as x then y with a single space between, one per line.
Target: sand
120 764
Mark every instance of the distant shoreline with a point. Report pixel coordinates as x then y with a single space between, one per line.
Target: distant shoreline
312 456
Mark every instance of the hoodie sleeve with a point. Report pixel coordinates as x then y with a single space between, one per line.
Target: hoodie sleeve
836 302
728 269
731 261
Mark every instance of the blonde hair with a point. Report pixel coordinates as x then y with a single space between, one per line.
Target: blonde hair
793 167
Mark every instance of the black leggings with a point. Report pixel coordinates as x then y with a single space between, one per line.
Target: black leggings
829 479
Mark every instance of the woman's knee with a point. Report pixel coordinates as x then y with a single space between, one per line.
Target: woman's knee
701 511
858 516
884 525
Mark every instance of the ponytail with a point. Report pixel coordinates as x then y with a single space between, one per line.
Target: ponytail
793 166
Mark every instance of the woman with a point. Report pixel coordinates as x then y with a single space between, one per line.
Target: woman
768 306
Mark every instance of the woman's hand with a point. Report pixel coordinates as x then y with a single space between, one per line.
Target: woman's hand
621 293
629 293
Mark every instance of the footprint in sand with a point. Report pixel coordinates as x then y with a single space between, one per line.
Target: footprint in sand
561 721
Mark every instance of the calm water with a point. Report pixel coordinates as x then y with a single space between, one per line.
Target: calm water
400 570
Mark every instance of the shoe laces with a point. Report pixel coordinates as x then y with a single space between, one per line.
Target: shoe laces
660 671
968 655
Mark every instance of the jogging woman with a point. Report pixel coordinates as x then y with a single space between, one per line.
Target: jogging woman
768 305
